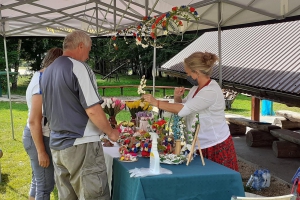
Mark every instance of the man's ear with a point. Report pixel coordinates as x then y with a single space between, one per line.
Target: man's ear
80 45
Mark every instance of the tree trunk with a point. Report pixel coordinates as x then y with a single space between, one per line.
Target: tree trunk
257 138
286 124
285 149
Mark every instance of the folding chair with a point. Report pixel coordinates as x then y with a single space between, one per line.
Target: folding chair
284 197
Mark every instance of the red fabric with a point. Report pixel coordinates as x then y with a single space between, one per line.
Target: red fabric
222 153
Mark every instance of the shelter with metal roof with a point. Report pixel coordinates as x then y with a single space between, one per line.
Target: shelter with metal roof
263 61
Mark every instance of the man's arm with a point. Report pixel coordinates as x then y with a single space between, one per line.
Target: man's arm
98 117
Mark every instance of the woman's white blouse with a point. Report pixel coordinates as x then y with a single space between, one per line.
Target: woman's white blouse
209 103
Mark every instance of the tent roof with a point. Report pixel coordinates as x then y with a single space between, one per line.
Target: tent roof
263 61
101 17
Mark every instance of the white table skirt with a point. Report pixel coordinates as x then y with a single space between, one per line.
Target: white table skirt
109 154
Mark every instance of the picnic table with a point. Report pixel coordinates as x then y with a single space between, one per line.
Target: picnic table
3 74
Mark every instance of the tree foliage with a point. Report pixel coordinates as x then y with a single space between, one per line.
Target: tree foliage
33 50
12 53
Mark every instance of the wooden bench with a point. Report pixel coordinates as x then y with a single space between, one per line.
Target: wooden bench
259 135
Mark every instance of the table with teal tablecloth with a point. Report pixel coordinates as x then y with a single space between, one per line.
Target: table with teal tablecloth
209 182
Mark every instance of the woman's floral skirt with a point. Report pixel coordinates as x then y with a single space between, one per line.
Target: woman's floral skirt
222 153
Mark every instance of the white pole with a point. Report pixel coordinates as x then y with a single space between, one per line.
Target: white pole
219 42
7 76
154 67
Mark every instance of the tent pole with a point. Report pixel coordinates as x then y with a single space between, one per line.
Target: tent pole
154 67
7 75
219 42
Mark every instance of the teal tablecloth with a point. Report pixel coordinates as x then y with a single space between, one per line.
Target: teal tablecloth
209 182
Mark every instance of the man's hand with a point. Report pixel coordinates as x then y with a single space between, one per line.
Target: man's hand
114 135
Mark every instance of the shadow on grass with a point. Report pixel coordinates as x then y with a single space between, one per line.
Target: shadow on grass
237 110
3 186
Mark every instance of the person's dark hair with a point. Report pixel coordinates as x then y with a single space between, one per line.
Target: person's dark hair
51 55
201 62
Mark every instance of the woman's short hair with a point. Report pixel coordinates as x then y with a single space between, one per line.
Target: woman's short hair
201 62
51 55
73 39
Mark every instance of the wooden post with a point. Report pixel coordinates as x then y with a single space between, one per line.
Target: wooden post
255 108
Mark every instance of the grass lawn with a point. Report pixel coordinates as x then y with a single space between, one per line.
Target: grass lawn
15 166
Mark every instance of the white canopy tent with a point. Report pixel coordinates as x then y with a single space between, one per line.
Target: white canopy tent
56 18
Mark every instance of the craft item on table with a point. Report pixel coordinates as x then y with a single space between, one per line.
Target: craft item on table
146 146
128 158
159 125
154 165
168 143
143 118
190 155
172 159
126 155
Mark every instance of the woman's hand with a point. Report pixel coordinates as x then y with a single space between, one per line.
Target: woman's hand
179 91
44 159
149 98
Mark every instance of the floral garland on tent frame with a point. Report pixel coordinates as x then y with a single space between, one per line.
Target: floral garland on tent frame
146 31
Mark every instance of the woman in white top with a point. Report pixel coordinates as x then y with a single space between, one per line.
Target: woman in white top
207 100
36 136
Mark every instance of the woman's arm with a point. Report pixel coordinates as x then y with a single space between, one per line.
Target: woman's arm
163 105
35 123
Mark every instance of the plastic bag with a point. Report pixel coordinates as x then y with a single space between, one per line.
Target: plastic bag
260 179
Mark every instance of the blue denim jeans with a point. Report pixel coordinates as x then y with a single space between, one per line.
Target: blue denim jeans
42 183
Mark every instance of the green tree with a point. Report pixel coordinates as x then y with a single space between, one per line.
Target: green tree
34 49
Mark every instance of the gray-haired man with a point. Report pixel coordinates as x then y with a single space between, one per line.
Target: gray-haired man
72 106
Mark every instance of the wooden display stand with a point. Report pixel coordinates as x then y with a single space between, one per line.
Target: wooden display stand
193 147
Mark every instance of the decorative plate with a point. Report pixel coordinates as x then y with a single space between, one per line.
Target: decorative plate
128 160
172 159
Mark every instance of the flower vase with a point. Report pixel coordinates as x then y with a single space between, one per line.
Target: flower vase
143 125
112 120
177 147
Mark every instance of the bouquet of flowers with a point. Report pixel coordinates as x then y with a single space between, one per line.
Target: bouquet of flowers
144 115
142 86
112 106
137 106
159 125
